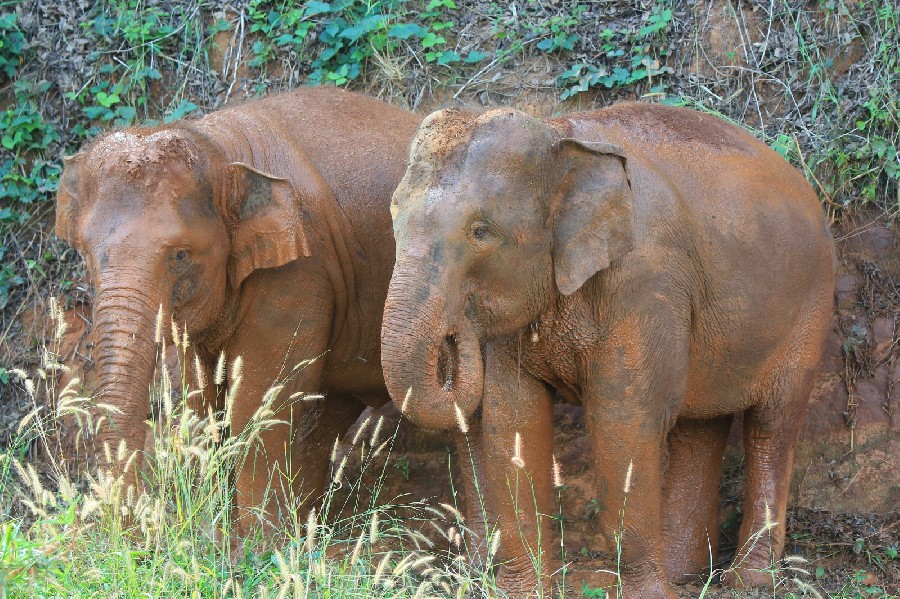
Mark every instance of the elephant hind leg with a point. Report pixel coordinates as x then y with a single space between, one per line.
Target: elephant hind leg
770 435
691 496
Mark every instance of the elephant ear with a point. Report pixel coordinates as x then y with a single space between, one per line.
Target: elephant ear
68 201
267 229
592 212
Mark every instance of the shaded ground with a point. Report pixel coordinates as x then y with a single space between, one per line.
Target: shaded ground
840 551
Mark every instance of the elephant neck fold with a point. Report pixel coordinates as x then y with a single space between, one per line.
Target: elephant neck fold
270 142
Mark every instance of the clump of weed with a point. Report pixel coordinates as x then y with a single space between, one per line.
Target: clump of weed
76 528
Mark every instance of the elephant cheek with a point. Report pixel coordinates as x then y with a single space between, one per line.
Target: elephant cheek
197 301
184 290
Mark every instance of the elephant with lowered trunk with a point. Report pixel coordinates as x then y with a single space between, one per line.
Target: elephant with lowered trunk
657 265
264 231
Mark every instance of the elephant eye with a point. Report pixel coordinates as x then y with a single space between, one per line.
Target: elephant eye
479 232
179 260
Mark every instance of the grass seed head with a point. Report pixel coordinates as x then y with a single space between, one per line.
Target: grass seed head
359 431
405 401
357 548
557 474
157 335
167 392
494 544
176 334
237 368
311 526
199 374
770 523
339 473
373 528
219 374
517 452
373 440
461 419
452 510
334 449
382 565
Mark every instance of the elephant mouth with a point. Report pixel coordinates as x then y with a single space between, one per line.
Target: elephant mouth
448 363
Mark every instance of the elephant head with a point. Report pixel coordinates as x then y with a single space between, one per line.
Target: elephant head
497 217
163 219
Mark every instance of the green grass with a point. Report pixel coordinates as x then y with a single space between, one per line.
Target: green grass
72 530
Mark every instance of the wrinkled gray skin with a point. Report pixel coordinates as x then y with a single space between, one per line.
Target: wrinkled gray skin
653 264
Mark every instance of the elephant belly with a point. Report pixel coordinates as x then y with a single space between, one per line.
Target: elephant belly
358 377
732 351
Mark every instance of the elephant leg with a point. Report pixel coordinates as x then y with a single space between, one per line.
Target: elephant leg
629 484
265 480
629 409
313 442
691 496
282 343
471 466
516 487
770 433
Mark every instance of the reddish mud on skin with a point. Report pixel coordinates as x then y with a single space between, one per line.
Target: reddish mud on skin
264 230
662 268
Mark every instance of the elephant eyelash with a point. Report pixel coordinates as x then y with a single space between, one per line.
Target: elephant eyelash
180 259
486 228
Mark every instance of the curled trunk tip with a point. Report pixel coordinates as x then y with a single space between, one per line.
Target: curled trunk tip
434 376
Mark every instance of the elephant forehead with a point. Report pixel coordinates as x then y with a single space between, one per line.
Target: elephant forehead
138 153
448 136
169 184
461 159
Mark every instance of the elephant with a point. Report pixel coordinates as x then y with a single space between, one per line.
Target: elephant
657 265
263 231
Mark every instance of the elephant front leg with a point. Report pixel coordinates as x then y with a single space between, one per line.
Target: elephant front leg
281 428
514 449
267 480
471 467
627 454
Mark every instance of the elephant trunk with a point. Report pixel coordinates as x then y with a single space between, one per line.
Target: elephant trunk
432 361
125 357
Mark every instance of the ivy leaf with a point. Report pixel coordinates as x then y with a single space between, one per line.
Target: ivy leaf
404 31
126 112
368 24
107 100
317 8
431 39
96 112
448 57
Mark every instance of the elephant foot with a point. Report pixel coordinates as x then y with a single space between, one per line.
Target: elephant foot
650 589
742 578
521 584
686 571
